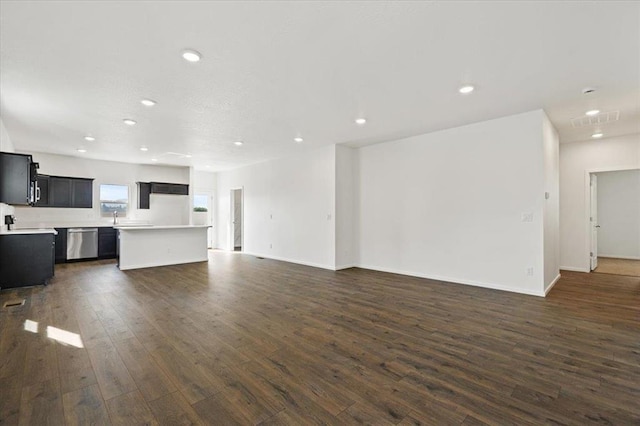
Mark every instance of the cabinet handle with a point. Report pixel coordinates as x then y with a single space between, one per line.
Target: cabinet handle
37 193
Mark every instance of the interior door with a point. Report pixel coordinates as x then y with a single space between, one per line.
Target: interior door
593 221
236 219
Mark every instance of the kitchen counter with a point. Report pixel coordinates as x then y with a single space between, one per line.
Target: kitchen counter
149 246
30 231
147 227
75 224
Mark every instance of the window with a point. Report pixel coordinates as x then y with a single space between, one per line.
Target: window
114 198
200 203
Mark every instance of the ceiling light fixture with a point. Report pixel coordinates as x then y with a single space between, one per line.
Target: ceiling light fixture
238 143
466 89
191 55
154 159
360 121
89 138
188 155
298 139
148 102
597 135
592 112
82 150
144 148
129 122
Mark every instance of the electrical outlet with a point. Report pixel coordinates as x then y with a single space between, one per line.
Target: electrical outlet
527 217
529 272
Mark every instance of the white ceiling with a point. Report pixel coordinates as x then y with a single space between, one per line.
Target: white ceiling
275 70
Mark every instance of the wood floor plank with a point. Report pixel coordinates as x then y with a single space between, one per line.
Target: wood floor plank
149 377
111 373
174 410
41 404
85 406
130 409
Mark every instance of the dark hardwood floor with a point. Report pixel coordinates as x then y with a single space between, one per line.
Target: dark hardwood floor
242 340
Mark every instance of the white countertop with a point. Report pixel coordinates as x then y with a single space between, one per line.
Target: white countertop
150 227
30 231
74 224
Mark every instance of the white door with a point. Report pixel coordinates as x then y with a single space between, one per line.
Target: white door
236 220
593 221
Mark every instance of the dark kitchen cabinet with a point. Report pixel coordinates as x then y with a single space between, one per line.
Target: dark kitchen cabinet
169 188
61 245
144 191
82 193
26 259
42 191
17 175
107 243
62 191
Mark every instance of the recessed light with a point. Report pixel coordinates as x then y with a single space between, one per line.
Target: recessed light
129 122
238 143
89 138
208 166
191 55
154 159
597 135
188 156
82 150
360 121
148 102
298 139
466 89
144 148
592 112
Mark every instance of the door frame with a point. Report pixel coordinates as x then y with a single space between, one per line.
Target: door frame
587 206
231 225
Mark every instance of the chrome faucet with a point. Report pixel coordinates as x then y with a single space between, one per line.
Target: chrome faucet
115 217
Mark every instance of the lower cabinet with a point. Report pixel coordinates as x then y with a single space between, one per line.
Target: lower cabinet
26 259
107 243
61 245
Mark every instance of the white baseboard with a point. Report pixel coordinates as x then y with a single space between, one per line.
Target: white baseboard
347 266
154 265
456 280
613 256
548 289
574 269
284 259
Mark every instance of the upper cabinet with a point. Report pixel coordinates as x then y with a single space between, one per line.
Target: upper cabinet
66 192
17 176
145 189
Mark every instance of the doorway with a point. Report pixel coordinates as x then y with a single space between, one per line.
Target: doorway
237 223
614 220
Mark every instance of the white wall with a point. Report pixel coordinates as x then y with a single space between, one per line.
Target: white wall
164 209
6 146
551 215
576 160
619 214
448 205
289 208
346 199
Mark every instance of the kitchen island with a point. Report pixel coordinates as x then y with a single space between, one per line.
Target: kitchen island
148 246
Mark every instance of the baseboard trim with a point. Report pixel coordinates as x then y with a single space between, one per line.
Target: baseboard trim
284 259
347 266
456 280
156 265
574 269
611 256
551 285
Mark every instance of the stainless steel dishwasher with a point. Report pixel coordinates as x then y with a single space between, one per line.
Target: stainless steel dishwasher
82 243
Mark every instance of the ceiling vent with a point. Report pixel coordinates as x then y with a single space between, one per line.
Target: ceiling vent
595 120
